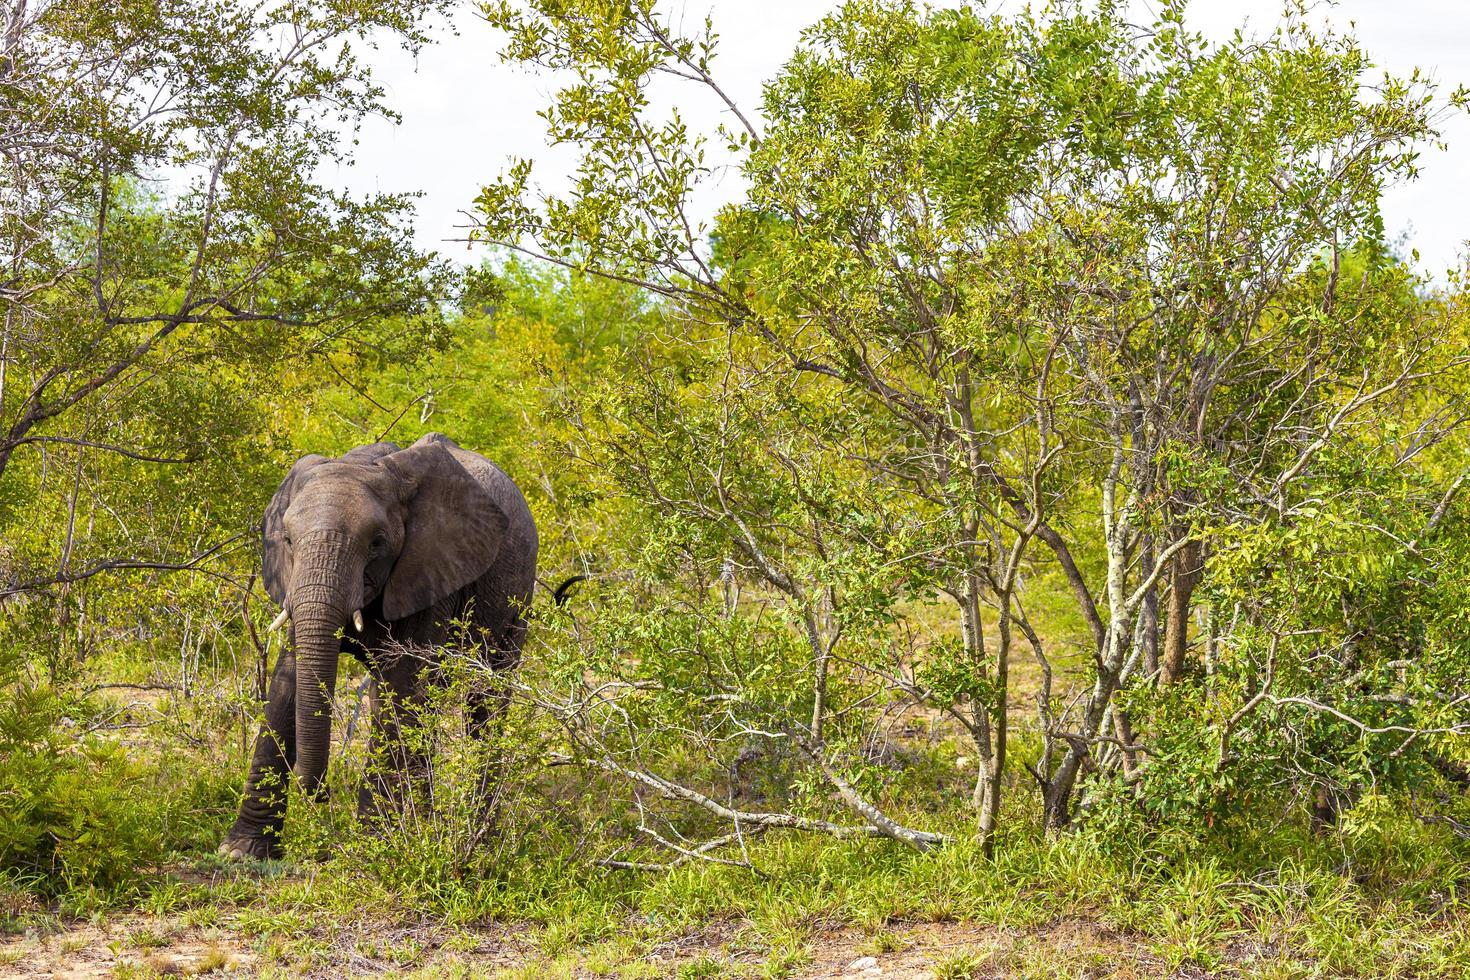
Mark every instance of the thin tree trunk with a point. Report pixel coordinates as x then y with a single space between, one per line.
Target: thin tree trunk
1184 576
1212 650
1057 807
1150 611
821 651
991 794
1145 477
972 633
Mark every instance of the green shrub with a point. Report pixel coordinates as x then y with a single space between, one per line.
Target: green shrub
74 809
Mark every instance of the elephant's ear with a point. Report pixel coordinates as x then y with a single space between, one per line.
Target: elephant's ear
275 562
452 528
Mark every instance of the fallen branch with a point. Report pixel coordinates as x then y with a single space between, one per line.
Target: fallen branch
1456 827
755 819
698 853
920 840
132 687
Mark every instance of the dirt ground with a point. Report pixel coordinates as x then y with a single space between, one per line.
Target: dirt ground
148 946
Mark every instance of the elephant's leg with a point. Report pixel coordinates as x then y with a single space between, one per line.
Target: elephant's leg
398 759
367 792
486 714
257 829
487 707
490 695
502 632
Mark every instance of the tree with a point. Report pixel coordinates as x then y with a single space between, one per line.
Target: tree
1041 298
169 254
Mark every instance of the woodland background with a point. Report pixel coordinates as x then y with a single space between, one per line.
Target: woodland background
1038 499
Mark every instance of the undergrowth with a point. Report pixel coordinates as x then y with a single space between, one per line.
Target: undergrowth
1257 893
1376 900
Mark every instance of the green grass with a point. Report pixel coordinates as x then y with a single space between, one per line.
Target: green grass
1379 902
1385 895
1344 907
960 966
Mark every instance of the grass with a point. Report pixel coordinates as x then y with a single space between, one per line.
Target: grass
1383 901
883 941
147 939
214 959
1198 913
960 966
1385 895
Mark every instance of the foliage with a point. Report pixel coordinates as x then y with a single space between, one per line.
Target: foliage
1037 497
150 344
145 336
83 812
73 810
1009 295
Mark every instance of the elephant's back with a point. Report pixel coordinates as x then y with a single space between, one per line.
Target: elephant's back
515 566
505 492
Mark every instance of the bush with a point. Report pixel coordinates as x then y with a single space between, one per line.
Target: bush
73 807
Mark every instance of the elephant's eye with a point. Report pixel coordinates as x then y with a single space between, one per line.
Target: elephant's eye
380 543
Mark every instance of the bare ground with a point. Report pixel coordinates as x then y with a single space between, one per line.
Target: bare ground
141 945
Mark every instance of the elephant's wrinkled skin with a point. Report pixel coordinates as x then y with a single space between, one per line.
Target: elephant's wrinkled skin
417 539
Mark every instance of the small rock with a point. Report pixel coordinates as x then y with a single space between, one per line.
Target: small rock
864 964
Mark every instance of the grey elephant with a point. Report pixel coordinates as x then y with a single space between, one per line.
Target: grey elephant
377 552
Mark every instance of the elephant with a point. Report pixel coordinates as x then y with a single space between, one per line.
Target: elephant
381 551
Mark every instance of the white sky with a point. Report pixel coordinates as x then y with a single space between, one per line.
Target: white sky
464 113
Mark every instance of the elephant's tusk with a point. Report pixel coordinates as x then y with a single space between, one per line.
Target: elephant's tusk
357 620
279 621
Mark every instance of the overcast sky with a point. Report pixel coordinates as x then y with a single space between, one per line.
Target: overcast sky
464 113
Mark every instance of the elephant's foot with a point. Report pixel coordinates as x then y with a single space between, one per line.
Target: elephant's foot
240 847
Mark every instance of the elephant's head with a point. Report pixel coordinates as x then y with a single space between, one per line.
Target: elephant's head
407 527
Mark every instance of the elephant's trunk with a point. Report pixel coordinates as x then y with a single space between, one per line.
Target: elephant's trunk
325 573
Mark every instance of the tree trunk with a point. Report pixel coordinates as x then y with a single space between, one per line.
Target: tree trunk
990 793
1187 568
1150 611
1112 655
